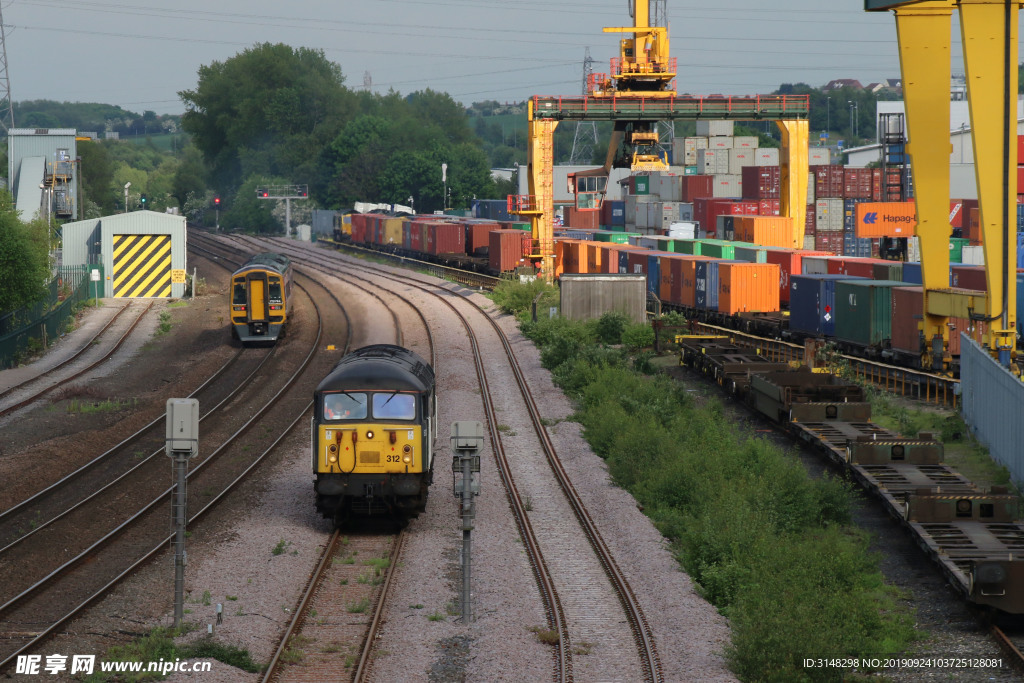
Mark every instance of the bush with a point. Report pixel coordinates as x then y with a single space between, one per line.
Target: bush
638 336
610 327
517 297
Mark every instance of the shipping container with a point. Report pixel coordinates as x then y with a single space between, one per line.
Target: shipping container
695 187
742 158
726 185
613 212
812 303
883 219
748 287
708 288
864 311
810 227
669 187
752 254
577 218
768 231
857 183
718 249
907 312
683 230
829 215
912 273
760 182
956 246
790 263
571 251
770 207
714 127
967 277
613 236
445 238
973 255
829 182
720 142
713 161
477 236
818 156
393 231
766 156
852 265
745 142
887 270
507 249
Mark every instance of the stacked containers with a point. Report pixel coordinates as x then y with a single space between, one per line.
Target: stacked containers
812 303
747 287
864 311
507 249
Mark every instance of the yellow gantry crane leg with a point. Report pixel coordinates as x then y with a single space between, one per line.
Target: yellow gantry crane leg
924 45
989 33
540 172
793 175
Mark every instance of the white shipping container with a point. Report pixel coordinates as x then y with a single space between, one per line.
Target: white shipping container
727 185
814 265
766 156
972 255
817 156
680 153
738 158
744 141
810 188
690 147
709 127
809 242
914 249
683 230
669 188
712 161
685 211
828 215
721 142
631 209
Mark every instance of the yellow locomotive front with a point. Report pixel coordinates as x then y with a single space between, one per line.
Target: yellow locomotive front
372 434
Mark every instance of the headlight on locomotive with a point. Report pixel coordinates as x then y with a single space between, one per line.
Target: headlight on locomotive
407 454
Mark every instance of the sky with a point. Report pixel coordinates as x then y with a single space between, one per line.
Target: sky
140 53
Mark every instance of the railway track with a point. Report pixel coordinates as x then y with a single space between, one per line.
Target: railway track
37 611
567 625
65 380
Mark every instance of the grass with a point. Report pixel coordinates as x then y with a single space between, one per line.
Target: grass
159 643
358 606
281 546
435 616
545 635
177 304
92 407
774 550
371 578
164 325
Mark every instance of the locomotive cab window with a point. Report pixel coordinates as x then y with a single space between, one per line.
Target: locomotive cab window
344 407
238 294
274 290
394 406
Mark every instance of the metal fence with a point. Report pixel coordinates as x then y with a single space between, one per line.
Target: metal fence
33 328
993 406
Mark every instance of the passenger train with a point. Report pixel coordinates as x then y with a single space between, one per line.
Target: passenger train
260 297
372 434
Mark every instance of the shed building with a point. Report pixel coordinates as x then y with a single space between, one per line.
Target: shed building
142 253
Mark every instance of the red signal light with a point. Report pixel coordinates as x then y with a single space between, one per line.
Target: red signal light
216 201
266 194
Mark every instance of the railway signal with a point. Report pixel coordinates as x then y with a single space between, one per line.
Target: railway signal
467 442
181 444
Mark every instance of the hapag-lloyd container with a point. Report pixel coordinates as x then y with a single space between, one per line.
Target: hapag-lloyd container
747 287
812 303
865 311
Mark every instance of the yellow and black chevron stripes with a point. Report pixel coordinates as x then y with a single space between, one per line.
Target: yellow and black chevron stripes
142 266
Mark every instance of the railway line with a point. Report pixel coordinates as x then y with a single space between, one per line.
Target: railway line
584 590
58 593
13 398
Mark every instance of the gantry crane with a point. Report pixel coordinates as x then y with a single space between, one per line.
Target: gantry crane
638 93
989 34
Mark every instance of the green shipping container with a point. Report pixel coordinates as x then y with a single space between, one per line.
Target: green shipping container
750 253
614 237
690 170
681 246
718 249
643 184
864 310
956 249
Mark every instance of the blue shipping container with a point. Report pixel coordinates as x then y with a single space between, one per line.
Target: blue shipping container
912 273
623 260
812 303
1020 242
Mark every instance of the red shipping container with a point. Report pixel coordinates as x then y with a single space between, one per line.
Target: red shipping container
828 182
809 224
768 207
965 211
967 277
1020 149
831 242
956 213
587 220
477 235
637 262
507 249
760 182
857 183
445 238
907 311
696 187
671 287
855 266
790 262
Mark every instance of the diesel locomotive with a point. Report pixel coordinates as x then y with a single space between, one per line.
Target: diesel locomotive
372 436
260 295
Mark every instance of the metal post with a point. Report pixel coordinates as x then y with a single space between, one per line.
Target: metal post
467 440
182 443
287 217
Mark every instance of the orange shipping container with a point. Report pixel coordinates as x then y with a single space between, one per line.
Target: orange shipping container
886 219
748 287
670 290
766 231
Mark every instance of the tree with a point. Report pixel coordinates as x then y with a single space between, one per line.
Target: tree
250 214
274 104
97 175
24 257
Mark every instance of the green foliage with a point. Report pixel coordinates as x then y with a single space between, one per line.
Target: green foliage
159 644
610 327
770 547
24 258
517 297
638 336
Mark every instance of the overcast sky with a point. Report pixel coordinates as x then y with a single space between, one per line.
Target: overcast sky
140 53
